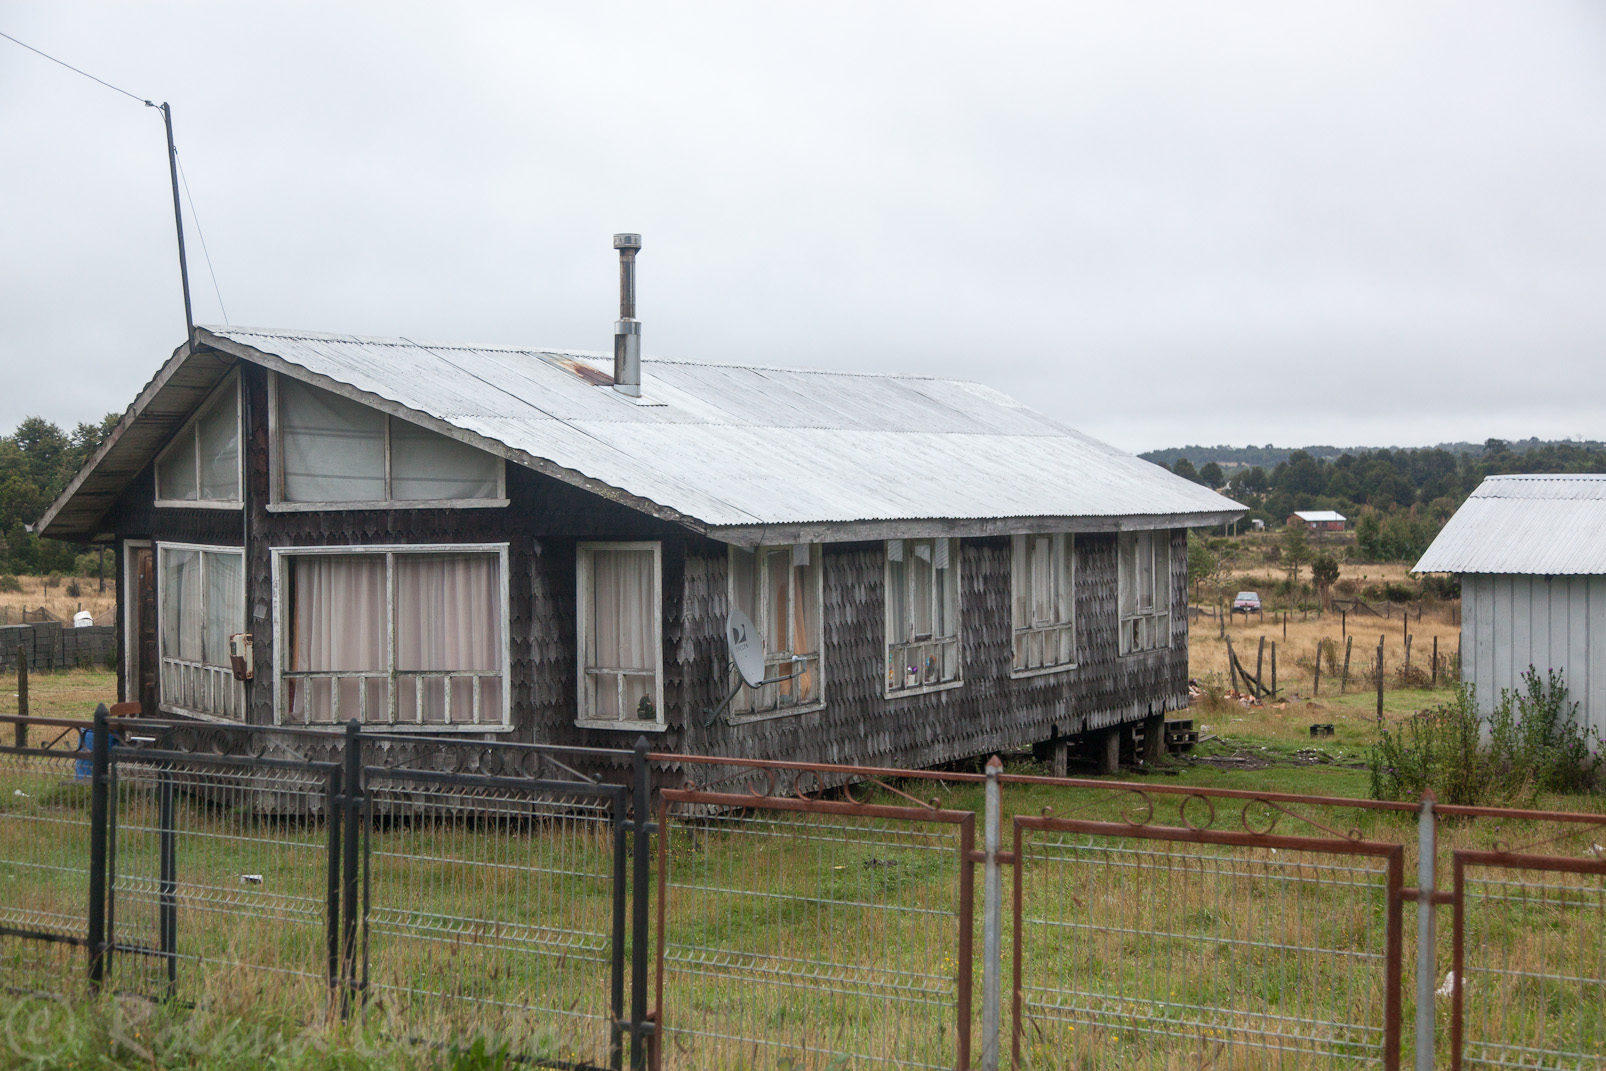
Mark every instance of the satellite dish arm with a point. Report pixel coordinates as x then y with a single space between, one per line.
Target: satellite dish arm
712 714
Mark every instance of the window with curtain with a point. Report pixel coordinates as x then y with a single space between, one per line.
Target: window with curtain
201 466
394 636
619 606
334 450
1144 583
779 588
201 601
1043 584
922 578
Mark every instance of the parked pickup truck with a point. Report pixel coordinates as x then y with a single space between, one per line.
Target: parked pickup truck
1246 603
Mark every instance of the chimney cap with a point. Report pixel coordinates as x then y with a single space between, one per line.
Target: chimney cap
631 242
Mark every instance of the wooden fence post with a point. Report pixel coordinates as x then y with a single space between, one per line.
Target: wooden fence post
1316 685
1435 660
1232 666
1260 660
1274 670
1343 685
1407 657
1380 680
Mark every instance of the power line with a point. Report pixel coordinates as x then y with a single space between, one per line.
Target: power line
199 233
75 70
196 216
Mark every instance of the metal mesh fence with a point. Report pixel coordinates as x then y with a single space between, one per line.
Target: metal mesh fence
220 890
44 863
1137 951
792 938
492 908
1531 962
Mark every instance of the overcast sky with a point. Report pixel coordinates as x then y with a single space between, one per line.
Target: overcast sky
1162 223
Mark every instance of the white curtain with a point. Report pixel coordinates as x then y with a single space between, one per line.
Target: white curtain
338 623
624 633
182 604
225 604
218 432
333 448
426 466
449 617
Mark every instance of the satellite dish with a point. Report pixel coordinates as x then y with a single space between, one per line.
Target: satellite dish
747 650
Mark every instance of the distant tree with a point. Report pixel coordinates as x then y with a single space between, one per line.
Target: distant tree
1185 469
1254 481
1296 550
1210 474
1368 535
1324 574
1202 563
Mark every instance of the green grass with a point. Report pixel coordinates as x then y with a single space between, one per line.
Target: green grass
793 939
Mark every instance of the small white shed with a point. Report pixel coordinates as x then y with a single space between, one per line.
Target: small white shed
1531 554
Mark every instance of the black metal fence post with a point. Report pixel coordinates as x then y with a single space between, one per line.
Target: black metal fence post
336 804
641 1030
167 889
351 796
621 886
99 802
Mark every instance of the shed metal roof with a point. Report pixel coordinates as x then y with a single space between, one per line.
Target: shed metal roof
1317 516
741 452
1553 525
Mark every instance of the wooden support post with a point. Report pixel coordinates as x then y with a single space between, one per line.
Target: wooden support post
1407 656
1316 684
1380 680
1059 762
1343 685
1285 624
1435 660
1110 751
1154 740
1232 666
22 697
1274 670
1343 624
1260 660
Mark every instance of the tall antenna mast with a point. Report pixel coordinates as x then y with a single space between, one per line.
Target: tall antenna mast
178 219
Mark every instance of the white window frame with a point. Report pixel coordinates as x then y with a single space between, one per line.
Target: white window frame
209 679
278 504
778 663
897 647
1151 631
582 591
230 383
389 551
1063 551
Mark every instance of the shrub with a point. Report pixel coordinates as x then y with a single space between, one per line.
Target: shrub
10 584
1395 591
73 590
1532 743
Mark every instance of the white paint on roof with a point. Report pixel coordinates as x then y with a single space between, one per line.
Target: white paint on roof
1552 525
1318 516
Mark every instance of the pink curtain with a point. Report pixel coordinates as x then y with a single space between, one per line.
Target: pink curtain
448 617
338 623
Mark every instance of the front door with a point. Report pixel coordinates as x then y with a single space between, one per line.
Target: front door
144 593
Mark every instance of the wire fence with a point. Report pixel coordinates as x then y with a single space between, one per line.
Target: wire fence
597 908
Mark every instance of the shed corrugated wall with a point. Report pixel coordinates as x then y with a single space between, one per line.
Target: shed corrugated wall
1511 621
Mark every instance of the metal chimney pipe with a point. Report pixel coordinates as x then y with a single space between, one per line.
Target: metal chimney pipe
627 331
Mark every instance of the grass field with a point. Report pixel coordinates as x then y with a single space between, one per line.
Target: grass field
793 940
37 591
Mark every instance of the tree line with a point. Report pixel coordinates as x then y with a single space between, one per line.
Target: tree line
1397 500
37 460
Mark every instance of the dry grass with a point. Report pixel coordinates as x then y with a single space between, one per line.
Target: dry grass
66 693
35 594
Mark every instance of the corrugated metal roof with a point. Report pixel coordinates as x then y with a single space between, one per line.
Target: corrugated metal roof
1553 525
739 447
1316 516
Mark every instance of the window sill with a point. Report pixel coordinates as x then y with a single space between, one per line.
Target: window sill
1043 671
1144 651
922 689
198 715
185 503
330 507
632 726
771 715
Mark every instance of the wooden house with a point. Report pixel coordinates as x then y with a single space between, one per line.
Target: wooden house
1317 520
545 546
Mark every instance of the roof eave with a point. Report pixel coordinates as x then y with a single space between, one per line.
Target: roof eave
752 535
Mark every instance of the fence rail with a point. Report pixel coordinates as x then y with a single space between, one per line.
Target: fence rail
590 906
